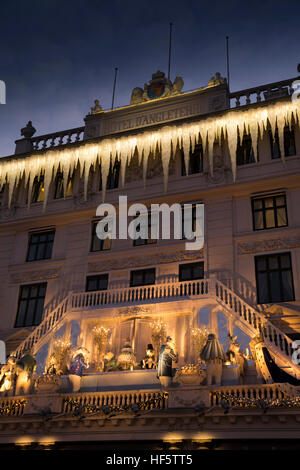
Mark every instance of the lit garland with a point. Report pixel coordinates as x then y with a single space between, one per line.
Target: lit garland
80 408
231 401
233 124
12 408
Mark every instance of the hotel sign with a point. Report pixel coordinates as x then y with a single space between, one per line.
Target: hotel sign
160 111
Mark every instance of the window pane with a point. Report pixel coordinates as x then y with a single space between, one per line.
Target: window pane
281 217
21 313
270 219
275 290
39 311
280 201
149 277
262 287
285 261
268 202
273 262
257 203
287 286
258 220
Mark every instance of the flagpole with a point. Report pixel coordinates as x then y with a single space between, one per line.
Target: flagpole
170 49
227 60
114 88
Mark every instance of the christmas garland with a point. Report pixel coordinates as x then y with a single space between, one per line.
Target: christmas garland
232 401
80 408
12 408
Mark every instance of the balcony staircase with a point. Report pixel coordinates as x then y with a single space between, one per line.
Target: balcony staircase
251 319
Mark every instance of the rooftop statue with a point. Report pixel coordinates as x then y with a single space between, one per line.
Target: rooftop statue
28 130
217 79
159 87
97 108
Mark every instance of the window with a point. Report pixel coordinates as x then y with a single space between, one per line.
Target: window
145 241
37 194
142 277
274 278
59 186
195 161
244 151
97 244
97 282
269 212
112 177
31 305
40 245
191 271
289 143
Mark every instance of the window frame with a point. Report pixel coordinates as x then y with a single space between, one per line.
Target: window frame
30 244
264 210
102 242
98 277
190 265
198 152
275 140
268 270
38 285
144 271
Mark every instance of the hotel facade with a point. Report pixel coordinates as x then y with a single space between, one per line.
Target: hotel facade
64 291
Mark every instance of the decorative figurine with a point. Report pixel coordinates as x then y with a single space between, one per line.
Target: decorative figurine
78 364
25 367
126 360
110 362
214 356
8 375
167 354
234 354
148 362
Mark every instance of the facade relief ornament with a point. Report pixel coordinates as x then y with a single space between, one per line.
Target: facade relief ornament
268 245
159 87
134 311
34 275
158 258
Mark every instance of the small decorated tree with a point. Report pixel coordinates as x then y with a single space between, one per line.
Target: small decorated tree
199 337
60 356
101 336
158 335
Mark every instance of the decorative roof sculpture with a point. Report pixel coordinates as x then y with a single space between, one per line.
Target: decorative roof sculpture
159 87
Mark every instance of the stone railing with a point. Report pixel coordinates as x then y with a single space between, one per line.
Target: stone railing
56 139
265 392
262 93
155 292
44 328
116 398
12 406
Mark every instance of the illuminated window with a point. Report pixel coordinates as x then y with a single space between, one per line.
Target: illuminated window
38 189
195 161
40 245
96 243
289 143
59 186
31 304
269 212
142 277
99 282
274 278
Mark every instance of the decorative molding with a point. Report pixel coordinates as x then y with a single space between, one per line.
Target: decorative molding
154 259
268 245
34 275
134 311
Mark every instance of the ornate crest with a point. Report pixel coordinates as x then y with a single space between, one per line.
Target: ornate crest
159 87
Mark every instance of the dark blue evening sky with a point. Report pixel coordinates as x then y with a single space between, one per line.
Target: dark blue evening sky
56 57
